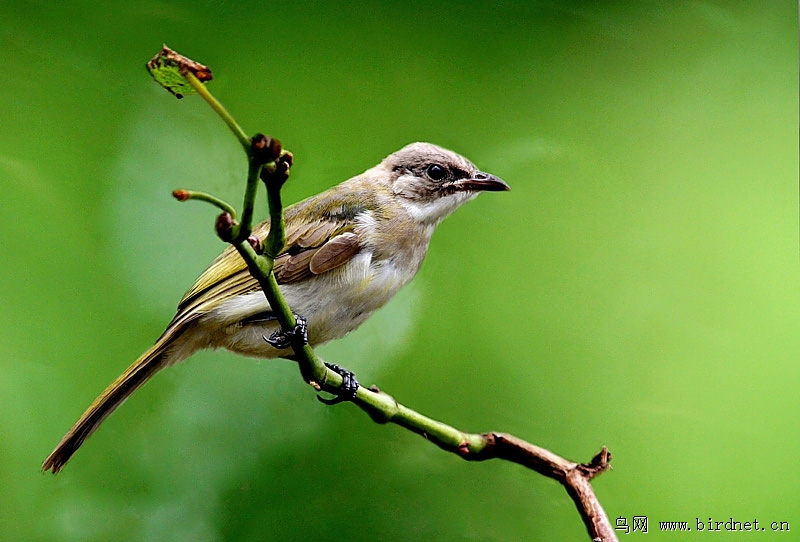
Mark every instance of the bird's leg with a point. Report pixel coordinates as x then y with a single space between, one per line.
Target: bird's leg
284 339
349 385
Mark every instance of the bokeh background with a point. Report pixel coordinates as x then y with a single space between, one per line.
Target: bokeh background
638 288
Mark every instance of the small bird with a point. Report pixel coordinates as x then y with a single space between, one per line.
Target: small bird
348 251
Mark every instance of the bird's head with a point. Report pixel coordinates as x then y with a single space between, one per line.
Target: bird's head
432 182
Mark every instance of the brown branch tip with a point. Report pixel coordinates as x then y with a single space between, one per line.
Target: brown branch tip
598 465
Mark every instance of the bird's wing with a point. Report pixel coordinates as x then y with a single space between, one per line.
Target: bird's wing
311 249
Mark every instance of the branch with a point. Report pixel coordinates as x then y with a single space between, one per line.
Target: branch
576 477
268 161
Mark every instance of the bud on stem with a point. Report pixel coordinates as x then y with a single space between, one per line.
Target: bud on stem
225 227
265 149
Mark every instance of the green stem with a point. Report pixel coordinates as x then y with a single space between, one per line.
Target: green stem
251 189
311 366
201 89
184 195
260 268
384 408
276 237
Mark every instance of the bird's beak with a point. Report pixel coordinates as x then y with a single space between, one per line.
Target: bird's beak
481 182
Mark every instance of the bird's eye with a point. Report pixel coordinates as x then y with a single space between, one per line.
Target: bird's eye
436 172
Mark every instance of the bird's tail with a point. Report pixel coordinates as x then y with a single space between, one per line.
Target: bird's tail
160 355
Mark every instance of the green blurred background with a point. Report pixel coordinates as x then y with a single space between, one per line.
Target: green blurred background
638 287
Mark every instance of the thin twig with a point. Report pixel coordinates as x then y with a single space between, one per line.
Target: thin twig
201 89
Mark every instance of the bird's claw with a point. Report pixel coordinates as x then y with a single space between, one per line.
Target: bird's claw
349 386
285 339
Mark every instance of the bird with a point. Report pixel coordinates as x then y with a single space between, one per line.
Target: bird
348 251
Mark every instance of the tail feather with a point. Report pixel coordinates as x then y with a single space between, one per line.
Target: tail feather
134 377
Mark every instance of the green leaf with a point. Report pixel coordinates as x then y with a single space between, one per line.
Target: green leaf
169 69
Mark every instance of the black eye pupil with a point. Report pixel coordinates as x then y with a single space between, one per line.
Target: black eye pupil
436 172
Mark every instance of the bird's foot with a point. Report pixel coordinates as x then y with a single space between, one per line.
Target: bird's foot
285 339
349 386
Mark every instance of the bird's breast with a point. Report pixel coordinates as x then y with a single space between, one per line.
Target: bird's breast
339 301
